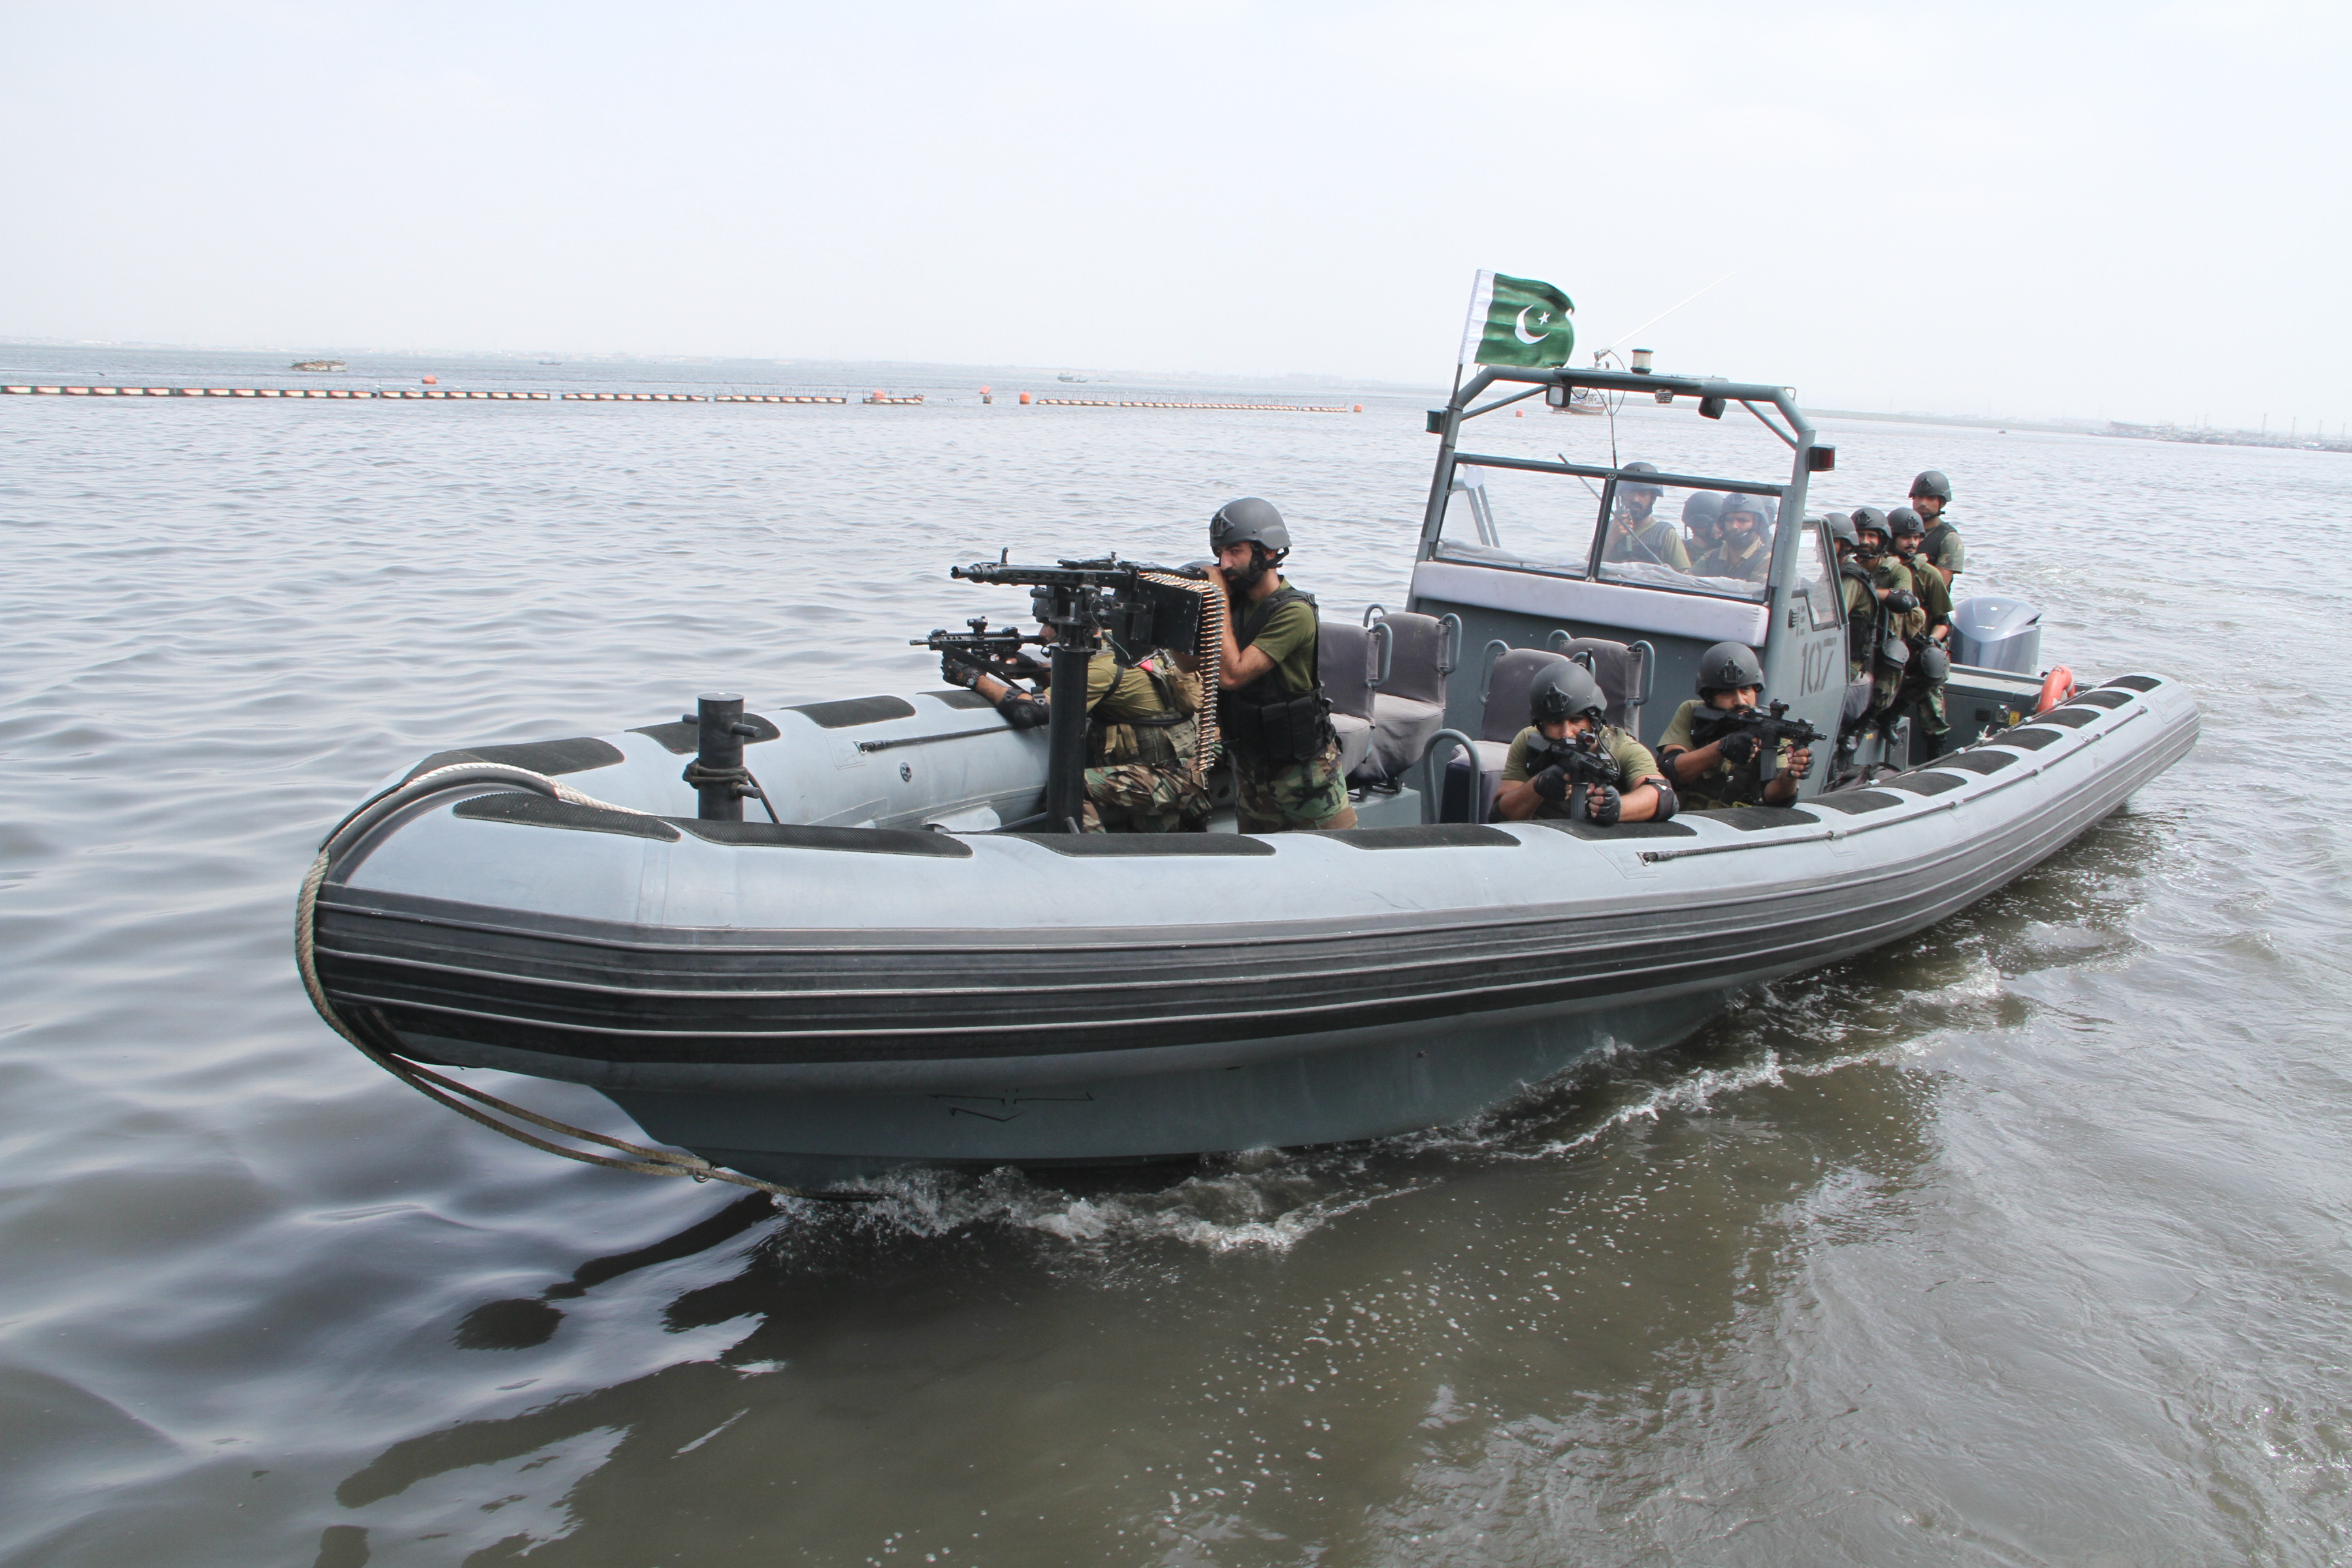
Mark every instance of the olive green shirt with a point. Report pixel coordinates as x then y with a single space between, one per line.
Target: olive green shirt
1749 559
1935 594
1632 759
1950 554
1114 695
1287 638
1654 540
1725 784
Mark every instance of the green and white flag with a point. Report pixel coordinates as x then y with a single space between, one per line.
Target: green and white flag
1519 321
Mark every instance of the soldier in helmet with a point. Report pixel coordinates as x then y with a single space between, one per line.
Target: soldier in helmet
1565 704
1701 530
1633 533
1909 532
1270 704
1931 492
1922 692
1859 589
1900 621
1745 551
1727 771
1142 739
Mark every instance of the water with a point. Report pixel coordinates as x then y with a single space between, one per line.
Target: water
2025 1244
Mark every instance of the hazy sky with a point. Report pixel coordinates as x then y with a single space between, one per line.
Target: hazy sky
2134 211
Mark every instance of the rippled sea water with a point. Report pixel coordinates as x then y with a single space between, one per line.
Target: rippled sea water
2023 1244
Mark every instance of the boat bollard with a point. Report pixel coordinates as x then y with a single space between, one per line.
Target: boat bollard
717 773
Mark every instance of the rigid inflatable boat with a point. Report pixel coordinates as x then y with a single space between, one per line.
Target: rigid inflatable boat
887 973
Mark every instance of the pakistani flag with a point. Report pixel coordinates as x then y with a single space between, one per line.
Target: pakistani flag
1517 321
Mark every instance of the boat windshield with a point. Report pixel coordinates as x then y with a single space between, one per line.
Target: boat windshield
1684 539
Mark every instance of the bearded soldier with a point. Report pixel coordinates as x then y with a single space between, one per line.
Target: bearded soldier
1565 708
1633 533
1931 665
1745 548
1270 704
1931 492
1727 771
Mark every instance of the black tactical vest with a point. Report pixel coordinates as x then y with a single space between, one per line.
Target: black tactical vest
1934 542
1265 722
1861 619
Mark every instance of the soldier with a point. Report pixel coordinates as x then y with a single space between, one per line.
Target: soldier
1727 772
1270 703
1565 703
1745 551
1931 492
1141 737
1904 621
1909 535
1930 666
1701 531
1633 533
1861 592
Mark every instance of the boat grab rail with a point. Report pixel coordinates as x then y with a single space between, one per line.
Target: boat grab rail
1430 779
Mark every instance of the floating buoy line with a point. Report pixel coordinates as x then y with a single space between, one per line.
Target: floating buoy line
459 394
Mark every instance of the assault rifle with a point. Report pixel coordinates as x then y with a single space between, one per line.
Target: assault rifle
1581 758
1770 727
997 653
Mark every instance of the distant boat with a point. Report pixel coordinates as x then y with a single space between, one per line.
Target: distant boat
317 365
551 361
1077 378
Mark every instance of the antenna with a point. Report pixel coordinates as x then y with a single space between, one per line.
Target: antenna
1663 314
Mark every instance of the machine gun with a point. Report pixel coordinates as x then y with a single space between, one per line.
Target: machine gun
997 653
1770 727
1138 607
1581 758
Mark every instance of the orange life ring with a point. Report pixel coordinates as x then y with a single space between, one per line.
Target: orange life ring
2057 689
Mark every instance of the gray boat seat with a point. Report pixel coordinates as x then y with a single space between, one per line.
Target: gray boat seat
1505 716
1410 707
1343 655
1612 665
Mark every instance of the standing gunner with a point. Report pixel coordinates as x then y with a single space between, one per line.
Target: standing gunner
1141 739
1270 702
1931 492
1726 772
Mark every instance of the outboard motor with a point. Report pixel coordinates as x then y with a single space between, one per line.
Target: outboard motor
1993 631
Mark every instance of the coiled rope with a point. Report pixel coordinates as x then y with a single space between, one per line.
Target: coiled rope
449 1091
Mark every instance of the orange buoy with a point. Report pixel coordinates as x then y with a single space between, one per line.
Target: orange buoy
432 381
1360 408
1024 399
2056 687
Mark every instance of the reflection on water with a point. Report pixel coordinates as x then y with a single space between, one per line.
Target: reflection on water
2021 1243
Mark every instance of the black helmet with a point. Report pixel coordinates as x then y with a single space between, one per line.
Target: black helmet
1756 506
1248 520
1699 510
1903 523
1870 519
1564 690
1630 486
1727 667
1932 483
1934 664
1841 529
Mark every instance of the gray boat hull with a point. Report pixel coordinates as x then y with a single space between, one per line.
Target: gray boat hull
794 1002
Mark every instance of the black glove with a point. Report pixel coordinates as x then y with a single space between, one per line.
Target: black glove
1902 601
1603 805
1738 748
958 672
1552 783
1027 665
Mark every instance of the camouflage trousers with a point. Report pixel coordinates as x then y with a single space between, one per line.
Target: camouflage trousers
1923 702
1281 797
1132 798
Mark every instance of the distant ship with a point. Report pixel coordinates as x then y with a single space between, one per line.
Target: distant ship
1077 378
551 361
317 365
